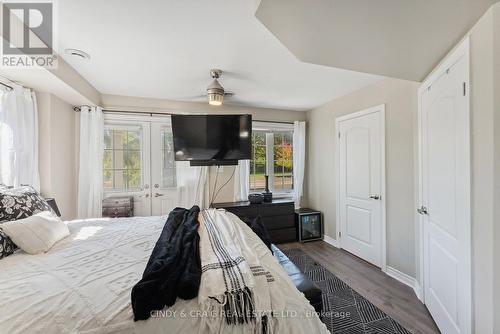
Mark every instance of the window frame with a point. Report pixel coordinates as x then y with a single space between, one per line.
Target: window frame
273 127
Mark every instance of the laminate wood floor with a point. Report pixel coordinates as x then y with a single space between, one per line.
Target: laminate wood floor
391 296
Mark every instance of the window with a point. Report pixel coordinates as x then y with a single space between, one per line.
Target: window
272 154
258 162
122 158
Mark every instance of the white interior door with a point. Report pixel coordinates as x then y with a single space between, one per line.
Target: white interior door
445 210
163 176
361 184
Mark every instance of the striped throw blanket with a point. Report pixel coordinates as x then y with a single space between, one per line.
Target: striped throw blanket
235 287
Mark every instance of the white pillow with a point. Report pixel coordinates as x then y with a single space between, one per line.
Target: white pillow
36 234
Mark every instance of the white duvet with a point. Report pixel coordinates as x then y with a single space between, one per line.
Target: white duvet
83 284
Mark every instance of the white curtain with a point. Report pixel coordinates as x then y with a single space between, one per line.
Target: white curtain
18 137
90 182
193 185
299 158
242 180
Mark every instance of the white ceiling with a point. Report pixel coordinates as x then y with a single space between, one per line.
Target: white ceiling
164 49
397 38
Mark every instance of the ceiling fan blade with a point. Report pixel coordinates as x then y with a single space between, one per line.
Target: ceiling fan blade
192 97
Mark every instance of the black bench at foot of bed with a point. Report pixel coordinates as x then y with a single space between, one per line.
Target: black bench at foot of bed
301 281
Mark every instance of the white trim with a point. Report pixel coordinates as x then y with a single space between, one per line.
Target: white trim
271 126
118 117
405 279
462 50
381 109
331 241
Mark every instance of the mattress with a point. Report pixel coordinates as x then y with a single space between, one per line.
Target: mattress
83 285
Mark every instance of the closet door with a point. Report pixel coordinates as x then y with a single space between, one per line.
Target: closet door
163 176
445 194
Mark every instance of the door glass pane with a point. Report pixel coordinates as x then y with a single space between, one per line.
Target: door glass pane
167 158
108 179
133 140
133 178
133 160
120 179
122 158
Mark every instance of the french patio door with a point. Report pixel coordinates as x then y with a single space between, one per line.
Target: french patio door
139 151
163 175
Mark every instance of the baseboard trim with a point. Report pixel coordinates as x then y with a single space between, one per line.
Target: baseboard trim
406 280
331 241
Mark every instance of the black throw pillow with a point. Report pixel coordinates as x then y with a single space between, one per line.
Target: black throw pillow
18 203
260 229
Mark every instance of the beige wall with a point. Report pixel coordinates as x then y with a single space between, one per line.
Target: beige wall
400 98
496 262
125 103
57 163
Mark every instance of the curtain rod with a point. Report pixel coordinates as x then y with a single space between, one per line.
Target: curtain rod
151 113
7 86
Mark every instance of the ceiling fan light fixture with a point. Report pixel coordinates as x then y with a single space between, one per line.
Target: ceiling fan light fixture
215 99
215 93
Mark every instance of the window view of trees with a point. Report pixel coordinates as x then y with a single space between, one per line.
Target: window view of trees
283 162
122 159
282 148
258 163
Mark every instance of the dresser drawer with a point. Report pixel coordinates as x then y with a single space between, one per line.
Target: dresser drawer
283 235
279 222
263 210
118 211
117 201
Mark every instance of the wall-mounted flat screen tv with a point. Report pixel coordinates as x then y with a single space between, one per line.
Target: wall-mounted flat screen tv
206 140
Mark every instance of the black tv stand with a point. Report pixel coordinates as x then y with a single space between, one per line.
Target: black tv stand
213 162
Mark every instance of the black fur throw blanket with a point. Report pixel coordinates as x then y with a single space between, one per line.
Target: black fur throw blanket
174 268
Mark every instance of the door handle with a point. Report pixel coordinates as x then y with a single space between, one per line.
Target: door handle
422 210
158 195
144 196
376 197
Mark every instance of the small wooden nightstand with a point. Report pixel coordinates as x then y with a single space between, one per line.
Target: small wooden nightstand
115 207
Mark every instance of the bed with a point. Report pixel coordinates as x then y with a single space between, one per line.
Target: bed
83 285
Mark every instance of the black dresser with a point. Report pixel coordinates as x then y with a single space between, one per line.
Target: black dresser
278 216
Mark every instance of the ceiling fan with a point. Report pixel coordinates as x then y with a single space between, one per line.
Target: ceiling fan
215 91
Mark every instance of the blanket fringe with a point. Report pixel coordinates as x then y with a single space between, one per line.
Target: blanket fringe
239 306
